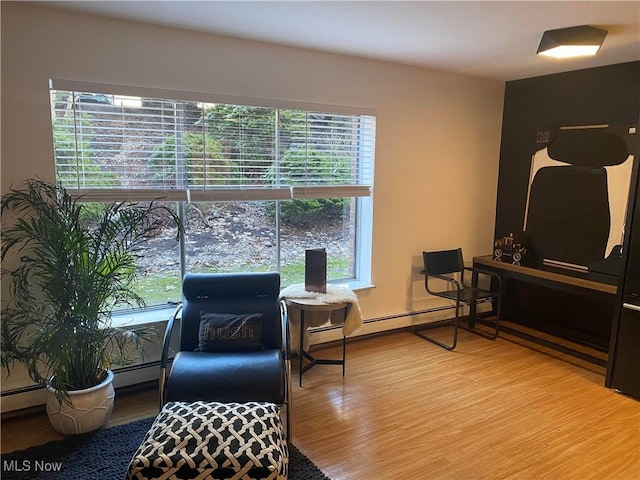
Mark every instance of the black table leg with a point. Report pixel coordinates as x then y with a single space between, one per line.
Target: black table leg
317 361
473 303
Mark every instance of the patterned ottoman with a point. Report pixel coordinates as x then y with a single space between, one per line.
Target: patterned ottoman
208 440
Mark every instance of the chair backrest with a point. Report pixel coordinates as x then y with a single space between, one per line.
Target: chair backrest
443 262
234 293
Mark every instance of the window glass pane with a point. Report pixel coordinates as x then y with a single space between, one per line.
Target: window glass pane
158 267
157 261
105 141
318 223
117 141
246 138
230 237
319 148
237 164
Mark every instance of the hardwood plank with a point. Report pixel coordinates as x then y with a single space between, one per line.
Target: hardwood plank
33 428
407 409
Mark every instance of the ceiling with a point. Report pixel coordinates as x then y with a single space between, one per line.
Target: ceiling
487 39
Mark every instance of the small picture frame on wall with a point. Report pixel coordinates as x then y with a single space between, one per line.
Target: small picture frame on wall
315 270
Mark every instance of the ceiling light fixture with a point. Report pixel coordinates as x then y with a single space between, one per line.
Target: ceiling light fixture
579 41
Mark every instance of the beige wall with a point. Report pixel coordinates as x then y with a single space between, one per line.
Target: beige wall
438 134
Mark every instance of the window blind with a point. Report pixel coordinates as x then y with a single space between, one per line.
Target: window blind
118 147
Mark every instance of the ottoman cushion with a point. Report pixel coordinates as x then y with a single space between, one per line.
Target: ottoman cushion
210 440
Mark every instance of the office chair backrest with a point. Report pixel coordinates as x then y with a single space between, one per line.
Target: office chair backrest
443 262
231 293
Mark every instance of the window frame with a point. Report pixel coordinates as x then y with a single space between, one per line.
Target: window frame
362 248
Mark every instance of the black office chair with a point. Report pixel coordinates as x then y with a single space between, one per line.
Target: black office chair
234 342
444 265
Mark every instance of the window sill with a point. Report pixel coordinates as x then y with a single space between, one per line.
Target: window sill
357 286
142 317
162 314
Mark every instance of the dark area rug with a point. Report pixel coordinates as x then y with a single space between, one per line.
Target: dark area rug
105 455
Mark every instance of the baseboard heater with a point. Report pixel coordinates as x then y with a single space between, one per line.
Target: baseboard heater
132 369
117 374
397 315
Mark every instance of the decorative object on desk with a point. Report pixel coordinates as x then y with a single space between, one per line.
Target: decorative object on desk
105 455
507 249
66 276
315 270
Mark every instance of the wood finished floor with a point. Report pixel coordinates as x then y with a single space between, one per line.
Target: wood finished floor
409 410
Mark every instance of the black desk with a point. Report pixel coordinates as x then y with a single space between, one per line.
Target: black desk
554 277
594 293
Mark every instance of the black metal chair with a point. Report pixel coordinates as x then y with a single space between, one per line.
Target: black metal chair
445 265
234 342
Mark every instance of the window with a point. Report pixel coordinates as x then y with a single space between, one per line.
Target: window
255 185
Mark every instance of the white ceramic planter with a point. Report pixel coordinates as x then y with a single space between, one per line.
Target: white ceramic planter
90 409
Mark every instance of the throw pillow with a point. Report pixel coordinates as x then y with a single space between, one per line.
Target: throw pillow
229 332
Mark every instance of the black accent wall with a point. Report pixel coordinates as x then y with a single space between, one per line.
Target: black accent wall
534 109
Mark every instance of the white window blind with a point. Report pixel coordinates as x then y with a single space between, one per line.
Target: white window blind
116 147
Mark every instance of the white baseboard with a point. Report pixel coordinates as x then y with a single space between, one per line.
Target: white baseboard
27 397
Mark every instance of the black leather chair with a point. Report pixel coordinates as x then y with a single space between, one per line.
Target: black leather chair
445 265
234 342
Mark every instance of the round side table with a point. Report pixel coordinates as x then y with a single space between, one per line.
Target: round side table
314 305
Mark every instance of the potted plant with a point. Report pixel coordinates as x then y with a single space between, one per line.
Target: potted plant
68 265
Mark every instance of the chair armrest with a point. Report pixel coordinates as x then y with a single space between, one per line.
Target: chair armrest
286 334
439 277
486 272
164 357
286 344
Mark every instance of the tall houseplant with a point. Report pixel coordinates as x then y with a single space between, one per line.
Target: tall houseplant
66 274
